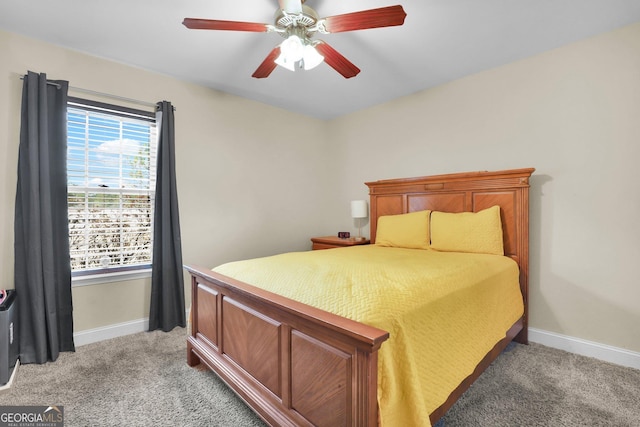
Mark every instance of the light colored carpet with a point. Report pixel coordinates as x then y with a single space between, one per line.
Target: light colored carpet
143 380
534 385
136 380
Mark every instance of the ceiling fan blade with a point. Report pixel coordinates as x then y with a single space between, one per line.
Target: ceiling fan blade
214 24
291 6
268 65
374 18
337 61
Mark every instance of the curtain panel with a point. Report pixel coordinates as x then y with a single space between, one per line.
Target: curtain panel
167 308
42 269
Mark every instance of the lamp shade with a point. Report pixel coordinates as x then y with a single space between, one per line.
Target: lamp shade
296 51
359 209
292 48
283 62
311 58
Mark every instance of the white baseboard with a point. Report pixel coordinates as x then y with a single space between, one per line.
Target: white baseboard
607 353
90 336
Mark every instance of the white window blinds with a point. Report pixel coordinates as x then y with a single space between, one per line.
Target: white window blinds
111 162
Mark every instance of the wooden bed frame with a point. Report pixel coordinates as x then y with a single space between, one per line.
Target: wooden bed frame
300 366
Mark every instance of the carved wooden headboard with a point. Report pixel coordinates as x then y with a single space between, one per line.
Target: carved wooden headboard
464 192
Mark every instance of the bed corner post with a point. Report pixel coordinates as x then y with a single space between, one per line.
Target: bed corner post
192 358
523 248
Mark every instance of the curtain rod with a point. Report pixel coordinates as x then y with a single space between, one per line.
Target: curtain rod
106 95
116 97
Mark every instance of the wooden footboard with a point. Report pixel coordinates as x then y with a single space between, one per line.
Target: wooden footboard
292 363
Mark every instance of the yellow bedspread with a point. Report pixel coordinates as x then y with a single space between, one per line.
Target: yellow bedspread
444 311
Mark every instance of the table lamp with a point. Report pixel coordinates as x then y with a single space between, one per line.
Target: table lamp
359 210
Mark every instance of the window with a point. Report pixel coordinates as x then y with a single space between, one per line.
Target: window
111 162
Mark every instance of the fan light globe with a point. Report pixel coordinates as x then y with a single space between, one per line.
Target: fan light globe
282 61
311 58
292 48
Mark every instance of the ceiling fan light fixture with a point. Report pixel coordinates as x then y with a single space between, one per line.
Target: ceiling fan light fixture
296 50
311 58
292 48
283 61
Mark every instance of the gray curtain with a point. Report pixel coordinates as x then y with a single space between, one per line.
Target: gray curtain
42 266
167 308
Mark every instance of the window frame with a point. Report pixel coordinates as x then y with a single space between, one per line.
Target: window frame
121 272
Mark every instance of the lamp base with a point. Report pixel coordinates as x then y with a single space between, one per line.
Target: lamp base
359 239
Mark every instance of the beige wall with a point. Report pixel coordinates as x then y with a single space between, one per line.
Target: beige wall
245 190
574 115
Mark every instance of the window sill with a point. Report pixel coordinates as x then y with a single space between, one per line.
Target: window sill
97 279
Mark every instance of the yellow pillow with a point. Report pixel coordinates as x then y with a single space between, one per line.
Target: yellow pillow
479 232
410 230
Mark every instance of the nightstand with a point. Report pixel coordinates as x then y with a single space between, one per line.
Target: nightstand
330 242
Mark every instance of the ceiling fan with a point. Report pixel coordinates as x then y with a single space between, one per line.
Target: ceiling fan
298 23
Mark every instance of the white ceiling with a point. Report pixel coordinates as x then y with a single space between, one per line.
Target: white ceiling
440 41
